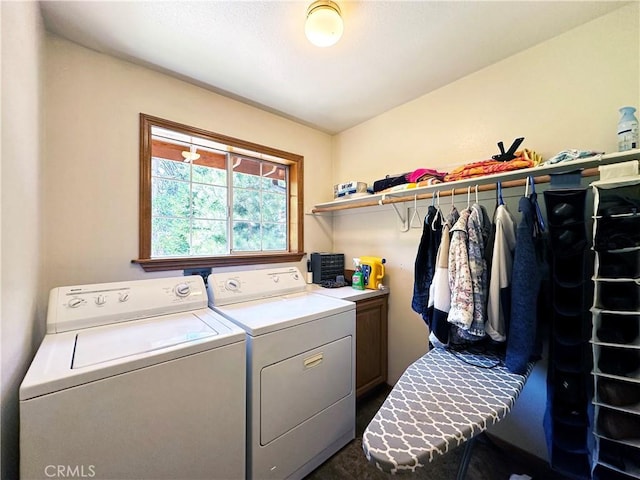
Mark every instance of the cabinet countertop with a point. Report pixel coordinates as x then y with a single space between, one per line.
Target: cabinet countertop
347 293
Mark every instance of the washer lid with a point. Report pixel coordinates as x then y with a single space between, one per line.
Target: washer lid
69 359
96 346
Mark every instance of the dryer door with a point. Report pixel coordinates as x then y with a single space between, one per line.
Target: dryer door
302 386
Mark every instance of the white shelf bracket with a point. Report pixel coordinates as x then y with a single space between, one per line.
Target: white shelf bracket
404 221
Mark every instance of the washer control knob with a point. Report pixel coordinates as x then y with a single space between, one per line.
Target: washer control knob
276 278
75 302
123 297
182 290
296 276
232 285
101 300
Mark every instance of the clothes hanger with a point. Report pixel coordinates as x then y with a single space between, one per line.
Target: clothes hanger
439 214
476 193
415 213
534 199
499 193
469 197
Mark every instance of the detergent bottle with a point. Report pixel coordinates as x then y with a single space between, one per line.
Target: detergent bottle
357 280
372 271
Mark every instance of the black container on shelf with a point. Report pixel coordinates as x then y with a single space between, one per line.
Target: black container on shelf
326 266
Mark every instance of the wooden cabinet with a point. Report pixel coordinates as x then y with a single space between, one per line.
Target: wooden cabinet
371 344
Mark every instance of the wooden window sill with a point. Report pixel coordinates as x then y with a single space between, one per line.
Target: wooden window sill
161 264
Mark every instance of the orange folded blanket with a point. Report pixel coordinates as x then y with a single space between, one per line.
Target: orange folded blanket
524 159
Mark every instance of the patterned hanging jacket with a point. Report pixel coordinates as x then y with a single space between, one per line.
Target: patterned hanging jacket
460 283
478 270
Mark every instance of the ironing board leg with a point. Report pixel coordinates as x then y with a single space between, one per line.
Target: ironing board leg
466 457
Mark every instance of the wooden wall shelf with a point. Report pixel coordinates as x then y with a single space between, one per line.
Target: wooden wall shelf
588 166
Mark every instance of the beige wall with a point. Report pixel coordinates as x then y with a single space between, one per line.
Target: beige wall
76 183
563 93
91 157
22 36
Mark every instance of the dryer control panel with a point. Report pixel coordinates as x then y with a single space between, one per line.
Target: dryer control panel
246 285
83 306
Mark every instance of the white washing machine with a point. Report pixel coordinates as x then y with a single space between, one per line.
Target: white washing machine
300 368
135 380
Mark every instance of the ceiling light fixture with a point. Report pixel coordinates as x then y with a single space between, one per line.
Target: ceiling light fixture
324 24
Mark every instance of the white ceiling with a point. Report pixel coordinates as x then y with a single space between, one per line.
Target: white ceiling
391 51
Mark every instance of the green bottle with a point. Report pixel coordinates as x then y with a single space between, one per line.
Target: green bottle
357 281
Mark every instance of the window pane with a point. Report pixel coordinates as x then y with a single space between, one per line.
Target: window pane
246 205
246 172
274 236
245 180
170 237
169 169
209 237
170 198
274 207
213 176
209 201
273 184
246 236
274 177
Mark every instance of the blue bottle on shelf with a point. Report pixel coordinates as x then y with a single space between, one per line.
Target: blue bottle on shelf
627 130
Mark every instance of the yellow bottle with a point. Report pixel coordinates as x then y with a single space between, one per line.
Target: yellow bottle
372 271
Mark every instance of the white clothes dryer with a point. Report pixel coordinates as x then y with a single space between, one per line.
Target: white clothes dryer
135 380
300 368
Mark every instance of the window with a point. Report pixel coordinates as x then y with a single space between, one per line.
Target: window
211 200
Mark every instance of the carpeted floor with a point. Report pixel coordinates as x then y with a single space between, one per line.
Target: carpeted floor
488 461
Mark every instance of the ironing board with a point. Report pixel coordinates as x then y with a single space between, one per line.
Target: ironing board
439 403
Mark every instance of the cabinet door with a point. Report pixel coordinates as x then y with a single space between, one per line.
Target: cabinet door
371 344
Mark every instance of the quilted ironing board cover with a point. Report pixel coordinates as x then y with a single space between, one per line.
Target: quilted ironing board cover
439 403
